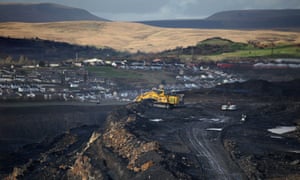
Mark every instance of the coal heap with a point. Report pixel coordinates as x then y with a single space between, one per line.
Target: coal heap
195 141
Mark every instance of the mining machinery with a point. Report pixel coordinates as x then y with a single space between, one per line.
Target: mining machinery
158 98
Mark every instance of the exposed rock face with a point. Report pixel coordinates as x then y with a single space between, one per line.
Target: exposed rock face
142 158
128 146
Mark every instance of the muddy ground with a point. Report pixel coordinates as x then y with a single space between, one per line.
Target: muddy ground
194 141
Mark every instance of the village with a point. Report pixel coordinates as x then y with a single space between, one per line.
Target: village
72 81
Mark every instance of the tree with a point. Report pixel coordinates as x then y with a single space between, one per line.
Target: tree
8 60
42 64
21 60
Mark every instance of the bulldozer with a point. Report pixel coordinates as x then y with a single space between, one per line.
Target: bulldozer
158 98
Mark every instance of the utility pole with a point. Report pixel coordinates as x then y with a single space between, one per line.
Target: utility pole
76 57
193 54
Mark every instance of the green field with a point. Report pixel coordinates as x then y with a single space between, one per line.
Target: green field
223 42
110 72
232 50
291 51
133 77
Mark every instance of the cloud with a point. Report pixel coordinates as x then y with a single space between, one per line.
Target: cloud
176 8
151 10
133 10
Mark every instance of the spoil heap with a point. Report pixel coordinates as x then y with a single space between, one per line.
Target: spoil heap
87 152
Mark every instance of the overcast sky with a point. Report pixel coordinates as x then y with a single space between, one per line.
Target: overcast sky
135 10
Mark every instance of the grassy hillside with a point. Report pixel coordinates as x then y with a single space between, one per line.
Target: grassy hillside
45 50
288 51
135 37
220 49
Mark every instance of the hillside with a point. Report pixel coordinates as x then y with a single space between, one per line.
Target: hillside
45 50
44 12
239 19
135 37
219 49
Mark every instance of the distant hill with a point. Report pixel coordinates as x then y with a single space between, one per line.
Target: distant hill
240 19
45 50
133 37
43 12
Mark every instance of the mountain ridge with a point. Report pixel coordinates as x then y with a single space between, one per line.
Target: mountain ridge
238 19
43 12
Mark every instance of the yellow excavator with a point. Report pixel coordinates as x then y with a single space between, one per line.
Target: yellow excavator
158 98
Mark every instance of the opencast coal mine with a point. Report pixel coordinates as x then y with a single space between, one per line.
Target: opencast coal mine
248 130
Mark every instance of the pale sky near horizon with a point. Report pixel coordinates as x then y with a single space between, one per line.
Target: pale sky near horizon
138 10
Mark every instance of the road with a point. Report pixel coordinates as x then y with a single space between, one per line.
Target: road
196 130
203 139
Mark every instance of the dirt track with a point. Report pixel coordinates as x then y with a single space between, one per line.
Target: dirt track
194 131
218 144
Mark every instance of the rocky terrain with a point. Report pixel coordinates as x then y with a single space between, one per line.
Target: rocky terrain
197 141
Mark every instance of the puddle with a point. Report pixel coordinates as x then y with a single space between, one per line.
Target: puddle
282 129
211 119
191 117
156 120
276 137
214 129
295 151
